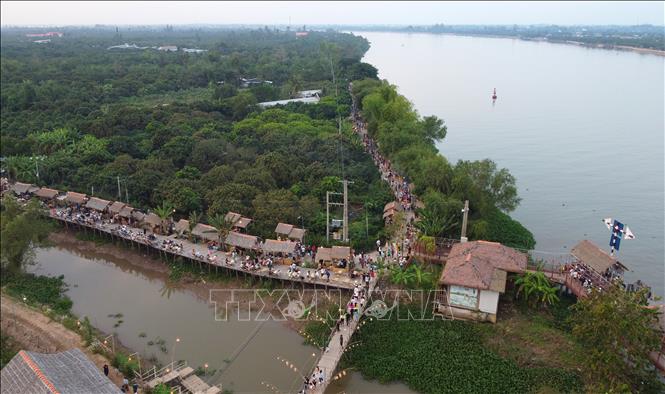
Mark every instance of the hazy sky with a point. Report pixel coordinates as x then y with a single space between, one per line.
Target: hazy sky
167 12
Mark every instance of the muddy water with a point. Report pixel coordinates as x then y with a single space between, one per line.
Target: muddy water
105 280
102 286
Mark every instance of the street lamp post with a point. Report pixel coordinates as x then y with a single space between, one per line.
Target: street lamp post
173 352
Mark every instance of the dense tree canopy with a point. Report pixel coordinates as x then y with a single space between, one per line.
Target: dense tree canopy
181 128
408 140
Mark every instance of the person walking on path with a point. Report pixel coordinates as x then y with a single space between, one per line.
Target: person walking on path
341 340
106 370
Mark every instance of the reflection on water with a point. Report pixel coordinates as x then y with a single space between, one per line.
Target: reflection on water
103 286
581 129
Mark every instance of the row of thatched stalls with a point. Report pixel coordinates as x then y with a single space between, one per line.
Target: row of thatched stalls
284 247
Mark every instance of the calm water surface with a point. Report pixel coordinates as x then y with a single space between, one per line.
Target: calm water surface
102 284
581 129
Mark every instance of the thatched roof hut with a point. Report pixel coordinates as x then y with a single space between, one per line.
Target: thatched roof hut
204 231
116 207
136 214
297 233
76 198
590 254
22 188
46 193
283 229
274 246
242 241
152 220
182 226
97 204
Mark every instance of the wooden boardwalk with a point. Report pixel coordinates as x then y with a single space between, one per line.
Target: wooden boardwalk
329 359
222 259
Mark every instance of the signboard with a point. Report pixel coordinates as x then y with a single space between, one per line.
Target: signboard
464 296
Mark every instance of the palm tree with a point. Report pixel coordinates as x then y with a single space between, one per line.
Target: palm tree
537 284
400 276
164 212
222 225
194 219
419 276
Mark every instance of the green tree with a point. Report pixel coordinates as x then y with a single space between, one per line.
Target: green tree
22 229
535 287
165 211
222 225
618 331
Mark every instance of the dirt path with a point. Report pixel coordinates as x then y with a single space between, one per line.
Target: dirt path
34 331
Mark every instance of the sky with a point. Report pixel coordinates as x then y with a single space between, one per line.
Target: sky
63 13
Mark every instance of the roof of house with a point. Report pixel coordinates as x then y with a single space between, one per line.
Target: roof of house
481 265
65 372
152 219
389 213
182 226
340 252
243 222
306 100
588 253
242 240
76 198
232 217
138 215
297 233
126 211
97 204
20 188
323 254
283 228
116 207
205 231
393 205
274 246
45 192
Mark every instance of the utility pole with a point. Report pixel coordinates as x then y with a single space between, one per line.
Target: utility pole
345 231
126 193
119 192
93 190
465 211
328 216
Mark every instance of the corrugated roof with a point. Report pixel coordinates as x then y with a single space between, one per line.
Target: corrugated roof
274 246
76 198
474 264
590 254
283 228
116 207
65 372
45 192
297 233
243 222
206 232
97 204
241 240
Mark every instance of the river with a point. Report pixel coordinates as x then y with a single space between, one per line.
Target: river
581 129
108 280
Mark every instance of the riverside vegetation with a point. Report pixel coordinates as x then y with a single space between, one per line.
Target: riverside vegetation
179 130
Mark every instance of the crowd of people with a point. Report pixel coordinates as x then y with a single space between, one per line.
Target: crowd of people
588 278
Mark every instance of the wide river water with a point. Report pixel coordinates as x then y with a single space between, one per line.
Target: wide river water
110 280
581 129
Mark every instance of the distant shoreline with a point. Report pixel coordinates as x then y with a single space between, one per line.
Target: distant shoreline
646 51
